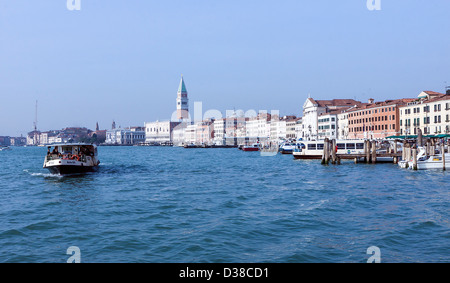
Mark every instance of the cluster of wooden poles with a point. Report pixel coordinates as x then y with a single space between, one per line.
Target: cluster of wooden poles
369 156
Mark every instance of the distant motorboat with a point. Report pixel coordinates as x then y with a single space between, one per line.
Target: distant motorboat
288 147
5 148
253 147
190 145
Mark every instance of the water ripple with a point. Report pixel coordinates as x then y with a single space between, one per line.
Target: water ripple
220 205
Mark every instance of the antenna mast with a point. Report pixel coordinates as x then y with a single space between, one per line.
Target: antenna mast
36 117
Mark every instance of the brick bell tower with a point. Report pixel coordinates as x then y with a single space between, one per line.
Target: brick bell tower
182 101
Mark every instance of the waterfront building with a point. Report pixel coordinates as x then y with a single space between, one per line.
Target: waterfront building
237 134
182 101
225 130
204 132
190 134
48 137
125 136
299 129
258 128
179 134
342 125
277 128
160 132
290 128
33 138
18 141
430 113
5 141
312 109
327 125
375 120
282 128
220 126
59 138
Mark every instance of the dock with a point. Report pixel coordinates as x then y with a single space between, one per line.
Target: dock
209 146
370 154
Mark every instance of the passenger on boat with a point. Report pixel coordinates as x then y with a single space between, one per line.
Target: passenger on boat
86 151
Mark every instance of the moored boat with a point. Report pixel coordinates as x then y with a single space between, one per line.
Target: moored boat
72 159
426 162
288 147
253 147
314 149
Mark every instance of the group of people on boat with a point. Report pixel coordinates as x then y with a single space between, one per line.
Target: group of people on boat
84 151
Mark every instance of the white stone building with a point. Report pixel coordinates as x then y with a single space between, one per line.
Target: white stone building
258 128
327 126
159 132
430 113
125 136
312 109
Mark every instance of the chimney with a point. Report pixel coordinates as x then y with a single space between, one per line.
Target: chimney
448 90
371 100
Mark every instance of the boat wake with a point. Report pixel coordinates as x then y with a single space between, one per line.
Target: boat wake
45 175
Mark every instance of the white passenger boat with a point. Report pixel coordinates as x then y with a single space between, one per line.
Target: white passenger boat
71 159
314 149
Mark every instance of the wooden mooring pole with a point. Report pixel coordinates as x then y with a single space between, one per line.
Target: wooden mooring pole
333 151
374 152
325 156
367 150
414 153
395 152
443 156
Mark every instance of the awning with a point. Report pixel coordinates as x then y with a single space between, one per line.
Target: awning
402 137
415 136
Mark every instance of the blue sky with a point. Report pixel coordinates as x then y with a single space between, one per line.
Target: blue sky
123 60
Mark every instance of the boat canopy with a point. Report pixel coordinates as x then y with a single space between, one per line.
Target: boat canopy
70 144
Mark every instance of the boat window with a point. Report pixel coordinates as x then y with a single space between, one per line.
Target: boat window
350 146
360 146
341 145
311 146
320 146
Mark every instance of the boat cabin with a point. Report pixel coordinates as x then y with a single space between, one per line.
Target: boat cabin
71 151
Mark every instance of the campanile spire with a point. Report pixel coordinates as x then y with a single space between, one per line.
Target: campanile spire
182 101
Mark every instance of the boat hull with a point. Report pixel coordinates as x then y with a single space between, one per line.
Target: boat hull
71 169
250 149
305 156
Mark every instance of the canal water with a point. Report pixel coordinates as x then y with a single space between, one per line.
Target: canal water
163 204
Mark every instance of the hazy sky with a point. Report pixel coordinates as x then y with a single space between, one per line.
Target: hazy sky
123 60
